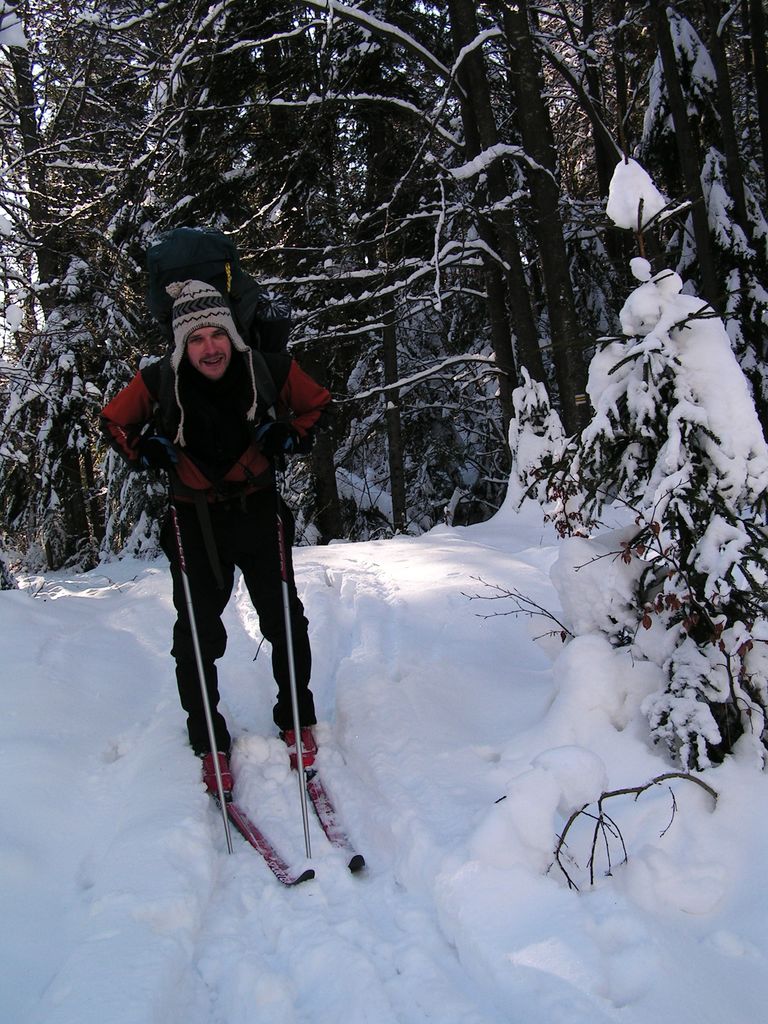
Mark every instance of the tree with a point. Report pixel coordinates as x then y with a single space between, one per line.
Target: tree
69 110
676 440
688 153
567 341
424 182
697 488
759 69
498 231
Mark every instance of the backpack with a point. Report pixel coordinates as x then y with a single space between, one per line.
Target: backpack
205 254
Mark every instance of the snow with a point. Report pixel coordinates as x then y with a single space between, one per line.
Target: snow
535 435
482 161
457 743
630 185
711 388
14 316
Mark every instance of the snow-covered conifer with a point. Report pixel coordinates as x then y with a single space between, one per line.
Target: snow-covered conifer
676 439
536 441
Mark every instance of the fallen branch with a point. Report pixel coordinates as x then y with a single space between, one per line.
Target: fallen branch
607 829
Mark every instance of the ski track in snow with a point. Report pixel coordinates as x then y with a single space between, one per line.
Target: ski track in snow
136 913
398 965
229 943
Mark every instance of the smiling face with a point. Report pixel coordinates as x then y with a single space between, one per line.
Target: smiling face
209 350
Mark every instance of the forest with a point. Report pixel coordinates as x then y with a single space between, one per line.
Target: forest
524 243
424 183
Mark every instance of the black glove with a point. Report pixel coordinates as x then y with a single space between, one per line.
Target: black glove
157 452
276 438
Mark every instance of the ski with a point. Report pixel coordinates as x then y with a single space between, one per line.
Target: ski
253 835
326 815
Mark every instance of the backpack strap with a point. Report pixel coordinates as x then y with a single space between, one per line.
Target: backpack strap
206 528
264 382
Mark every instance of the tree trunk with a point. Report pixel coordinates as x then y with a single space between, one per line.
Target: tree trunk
68 531
536 132
758 30
48 258
618 54
604 164
481 134
688 155
714 12
395 452
327 515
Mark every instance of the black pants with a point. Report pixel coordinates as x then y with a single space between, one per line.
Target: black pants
245 535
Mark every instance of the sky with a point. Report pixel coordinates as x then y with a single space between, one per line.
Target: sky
456 740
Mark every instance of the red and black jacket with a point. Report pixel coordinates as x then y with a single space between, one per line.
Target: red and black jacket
150 402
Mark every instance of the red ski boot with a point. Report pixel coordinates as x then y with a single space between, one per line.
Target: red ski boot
308 746
209 775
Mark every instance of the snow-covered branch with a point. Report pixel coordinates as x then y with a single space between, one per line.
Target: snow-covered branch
386 30
416 378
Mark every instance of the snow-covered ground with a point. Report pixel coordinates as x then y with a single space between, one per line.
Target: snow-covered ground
456 746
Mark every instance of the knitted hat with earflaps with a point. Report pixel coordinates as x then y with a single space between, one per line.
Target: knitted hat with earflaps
196 305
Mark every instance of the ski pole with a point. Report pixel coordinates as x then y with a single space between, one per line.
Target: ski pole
200 669
283 555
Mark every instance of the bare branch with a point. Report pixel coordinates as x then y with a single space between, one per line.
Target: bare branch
524 605
606 827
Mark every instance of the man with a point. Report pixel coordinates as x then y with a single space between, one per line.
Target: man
201 414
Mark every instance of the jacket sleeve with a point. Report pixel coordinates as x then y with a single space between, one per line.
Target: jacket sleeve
307 400
124 418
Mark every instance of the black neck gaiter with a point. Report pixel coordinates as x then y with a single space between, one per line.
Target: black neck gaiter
216 430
